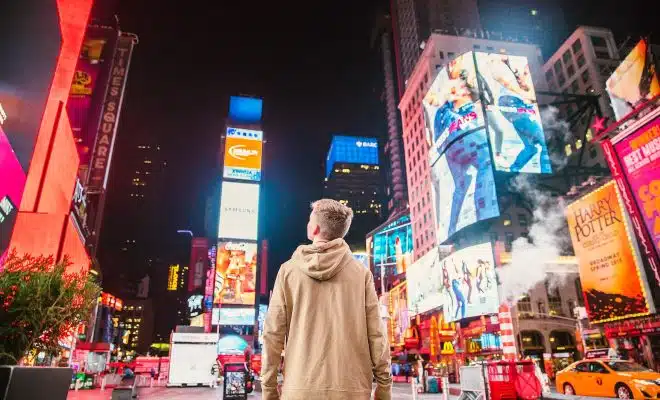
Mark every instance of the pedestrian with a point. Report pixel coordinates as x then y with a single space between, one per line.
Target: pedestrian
325 311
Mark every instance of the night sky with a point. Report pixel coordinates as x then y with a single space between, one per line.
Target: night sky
312 64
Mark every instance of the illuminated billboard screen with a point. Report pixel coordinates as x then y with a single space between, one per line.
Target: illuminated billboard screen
243 154
235 273
245 110
11 190
463 185
392 246
352 150
399 316
362 258
236 316
633 81
609 273
512 112
263 310
451 105
239 211
88 87
463 283
640 160
173 277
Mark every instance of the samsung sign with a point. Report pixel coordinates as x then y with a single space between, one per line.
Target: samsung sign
239 211
351 150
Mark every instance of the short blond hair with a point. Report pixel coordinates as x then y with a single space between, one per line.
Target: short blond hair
333 217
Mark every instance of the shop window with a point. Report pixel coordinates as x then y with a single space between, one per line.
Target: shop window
532 340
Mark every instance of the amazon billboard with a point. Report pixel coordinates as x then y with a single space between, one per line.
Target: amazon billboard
242 159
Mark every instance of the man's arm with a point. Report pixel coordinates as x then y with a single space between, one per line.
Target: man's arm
379 346
274 334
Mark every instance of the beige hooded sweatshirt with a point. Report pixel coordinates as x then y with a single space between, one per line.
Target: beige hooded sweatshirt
324 307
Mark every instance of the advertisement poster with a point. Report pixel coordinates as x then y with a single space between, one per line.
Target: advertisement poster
399 317
198 262
235 377
235 273
609 272
640 158
463 283
633 81
451 105
239 211
512 112
352 150
173 278
85 81
393 246
243 149
236 316
463 185
263 310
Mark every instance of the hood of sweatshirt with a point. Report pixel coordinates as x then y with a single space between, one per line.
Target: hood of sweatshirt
322 261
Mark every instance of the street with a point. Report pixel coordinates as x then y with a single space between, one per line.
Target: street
400 391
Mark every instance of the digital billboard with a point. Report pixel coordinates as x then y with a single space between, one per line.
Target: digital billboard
399 315
198 262
633 81
245 110
235 273
640 164
195 305
173 277
463 185
11 190
263 311
236 316
451 105
351 150
463 283
609 272
239 211
392 246
512 112
88 88
362 258
243 149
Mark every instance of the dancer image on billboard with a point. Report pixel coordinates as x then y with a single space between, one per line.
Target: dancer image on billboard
236 273
459 153
513 114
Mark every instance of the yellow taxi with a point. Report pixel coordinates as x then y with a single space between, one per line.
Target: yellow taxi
608 377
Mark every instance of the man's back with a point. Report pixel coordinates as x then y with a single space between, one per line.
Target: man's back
325 303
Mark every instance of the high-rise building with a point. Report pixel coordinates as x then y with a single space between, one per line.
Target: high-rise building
581 66
135 324
353 177
415 20
440 49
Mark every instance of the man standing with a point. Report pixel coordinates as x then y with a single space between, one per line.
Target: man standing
324 309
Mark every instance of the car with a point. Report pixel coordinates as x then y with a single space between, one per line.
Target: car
608 377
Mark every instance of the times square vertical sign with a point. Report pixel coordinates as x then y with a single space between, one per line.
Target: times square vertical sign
107 130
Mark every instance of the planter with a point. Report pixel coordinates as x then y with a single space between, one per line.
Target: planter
34 383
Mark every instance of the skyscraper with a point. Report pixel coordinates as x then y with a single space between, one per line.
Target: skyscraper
415 20
353 178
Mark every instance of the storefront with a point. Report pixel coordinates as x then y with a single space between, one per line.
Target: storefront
637 340
532 344
481 340
563 349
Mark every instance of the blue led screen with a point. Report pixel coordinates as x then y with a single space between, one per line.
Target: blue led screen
353 150
245 110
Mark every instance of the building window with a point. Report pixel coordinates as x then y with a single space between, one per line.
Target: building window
525 307
549 75
578 290
476 46
522 220
567 57
451 55
490 49
560 79
493 237
578 144
575 86
576 46
581 61
541 307
554 300
603 55
570 70
506 220
441 54
558 66
585 77
508 242
598 41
